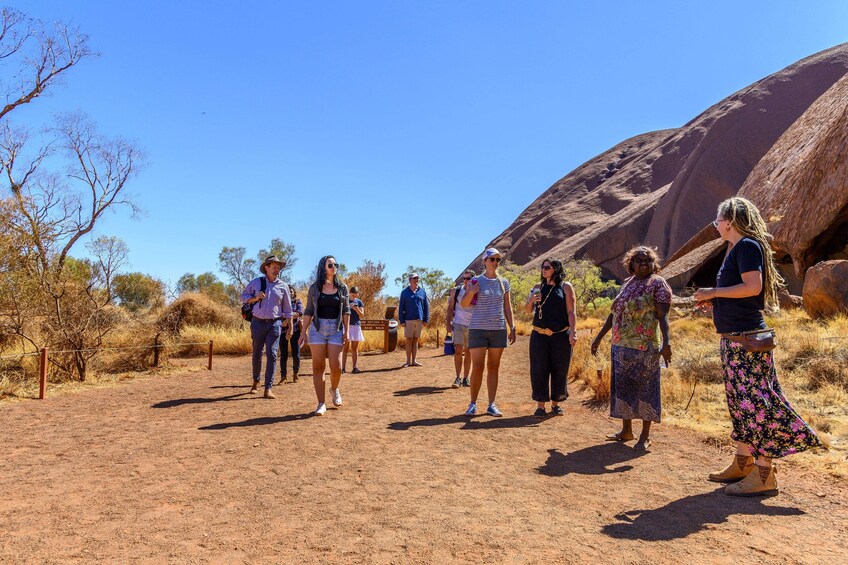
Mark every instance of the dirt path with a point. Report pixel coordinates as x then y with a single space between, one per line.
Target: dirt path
191 468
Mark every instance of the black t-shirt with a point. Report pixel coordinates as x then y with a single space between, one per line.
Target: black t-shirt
329 306
739 314
554 315
354 316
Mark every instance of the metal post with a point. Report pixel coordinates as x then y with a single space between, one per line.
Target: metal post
210 355
43 385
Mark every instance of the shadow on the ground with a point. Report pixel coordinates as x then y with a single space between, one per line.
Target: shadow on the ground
595 460
265 421
688 515
202 400
475 423
422 390
385 370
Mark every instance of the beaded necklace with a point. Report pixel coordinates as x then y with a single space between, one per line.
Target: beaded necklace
545 299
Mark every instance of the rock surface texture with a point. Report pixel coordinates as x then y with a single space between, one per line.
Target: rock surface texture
780 142
826 289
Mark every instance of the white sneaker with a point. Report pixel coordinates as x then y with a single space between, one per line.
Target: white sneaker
321 409
337 397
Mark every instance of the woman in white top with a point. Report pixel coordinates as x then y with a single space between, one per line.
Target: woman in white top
457 322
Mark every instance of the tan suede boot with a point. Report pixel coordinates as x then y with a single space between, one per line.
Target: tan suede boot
762 482
741 466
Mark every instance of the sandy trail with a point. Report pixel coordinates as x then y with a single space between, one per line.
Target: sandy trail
191 468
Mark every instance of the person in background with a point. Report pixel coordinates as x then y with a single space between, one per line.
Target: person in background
490 327
413 315
456 324
765 426
270 307
639 310
326 320
297 314
357 311
552 303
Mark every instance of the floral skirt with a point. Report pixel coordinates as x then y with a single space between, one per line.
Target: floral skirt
635 384
762 417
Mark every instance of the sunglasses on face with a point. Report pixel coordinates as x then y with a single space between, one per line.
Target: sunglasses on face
715 222
413 278
495 259
332 265
466 278
546 267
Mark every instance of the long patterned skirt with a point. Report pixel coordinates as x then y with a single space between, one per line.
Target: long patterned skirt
635 384
762 417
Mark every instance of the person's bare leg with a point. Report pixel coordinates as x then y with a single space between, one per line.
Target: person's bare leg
466 369
626 433
334 354
408 347
354 353
319 363
645 437
344 356
415 351
478 360
457 359
493 364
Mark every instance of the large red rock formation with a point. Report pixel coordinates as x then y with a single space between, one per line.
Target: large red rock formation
662 188
826 289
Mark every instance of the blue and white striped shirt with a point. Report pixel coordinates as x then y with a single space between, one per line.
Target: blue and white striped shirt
488 313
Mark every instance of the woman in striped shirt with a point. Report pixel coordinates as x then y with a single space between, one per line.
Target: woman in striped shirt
490 327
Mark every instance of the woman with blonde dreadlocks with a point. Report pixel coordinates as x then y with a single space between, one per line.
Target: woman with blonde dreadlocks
765 426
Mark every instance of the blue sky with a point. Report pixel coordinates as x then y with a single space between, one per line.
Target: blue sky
405 132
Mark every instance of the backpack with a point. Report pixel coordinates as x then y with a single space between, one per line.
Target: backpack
247 309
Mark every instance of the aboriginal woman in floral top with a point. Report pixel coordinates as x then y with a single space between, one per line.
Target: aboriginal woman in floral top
764 424
639 323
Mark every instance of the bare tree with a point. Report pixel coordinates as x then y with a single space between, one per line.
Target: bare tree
40 52
110 254
48 297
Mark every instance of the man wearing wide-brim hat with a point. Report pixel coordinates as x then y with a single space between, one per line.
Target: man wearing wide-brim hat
269 308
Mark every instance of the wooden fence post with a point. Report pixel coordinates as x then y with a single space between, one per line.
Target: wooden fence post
210 355
42 389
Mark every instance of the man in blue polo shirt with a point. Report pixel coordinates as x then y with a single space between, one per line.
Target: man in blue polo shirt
413 315
270 307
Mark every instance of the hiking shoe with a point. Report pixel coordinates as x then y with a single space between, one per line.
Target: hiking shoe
255 387
557 410
269 394
492 410
457 382
466 382
337 397
356 371
322 408
472 409
540 413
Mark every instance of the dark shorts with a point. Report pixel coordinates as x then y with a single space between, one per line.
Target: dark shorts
490 339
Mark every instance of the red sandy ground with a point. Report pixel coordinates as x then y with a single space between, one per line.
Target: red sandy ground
189 468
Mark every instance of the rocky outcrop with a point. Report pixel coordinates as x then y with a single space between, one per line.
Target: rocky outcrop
826 289
662 188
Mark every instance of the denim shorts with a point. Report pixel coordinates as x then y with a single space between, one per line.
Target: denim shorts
327 334
489 339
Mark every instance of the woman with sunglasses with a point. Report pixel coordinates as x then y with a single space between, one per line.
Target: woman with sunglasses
490 326
765 426
326 320
639 310
456 323
552 303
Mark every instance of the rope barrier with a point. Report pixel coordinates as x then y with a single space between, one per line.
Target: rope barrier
160 346
17 355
